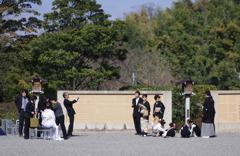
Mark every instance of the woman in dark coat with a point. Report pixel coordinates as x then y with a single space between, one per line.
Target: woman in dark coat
208 114
30 111
144 113
159 108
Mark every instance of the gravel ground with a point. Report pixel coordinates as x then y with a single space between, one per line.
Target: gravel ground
121 144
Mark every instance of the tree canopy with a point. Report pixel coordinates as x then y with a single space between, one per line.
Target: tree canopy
199 39
15 32
80 48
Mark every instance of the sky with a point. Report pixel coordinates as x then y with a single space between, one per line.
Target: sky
116 8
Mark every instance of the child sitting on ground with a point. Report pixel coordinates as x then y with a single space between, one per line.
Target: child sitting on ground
185 131
171 131
194 129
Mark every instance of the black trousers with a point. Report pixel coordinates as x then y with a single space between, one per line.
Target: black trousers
70 127
136 120
60 120
26 129
21 121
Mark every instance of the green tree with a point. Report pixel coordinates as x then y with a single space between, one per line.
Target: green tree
77 59
15 32
82 48
74 14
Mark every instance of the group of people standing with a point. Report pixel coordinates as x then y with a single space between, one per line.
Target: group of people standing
48 111
141 113
50 115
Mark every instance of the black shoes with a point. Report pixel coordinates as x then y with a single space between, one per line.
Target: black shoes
66 138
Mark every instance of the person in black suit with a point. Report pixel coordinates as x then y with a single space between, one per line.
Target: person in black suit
30 111
69 106
158 104
136 114
21 102
41 108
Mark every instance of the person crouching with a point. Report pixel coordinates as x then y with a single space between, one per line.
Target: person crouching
158 127
194 129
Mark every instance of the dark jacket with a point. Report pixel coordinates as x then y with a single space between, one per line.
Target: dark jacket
41 106
162 109
57 108
69 106
18 102
185 131
29 109
136 106
197 130
171 132
208 110
147 105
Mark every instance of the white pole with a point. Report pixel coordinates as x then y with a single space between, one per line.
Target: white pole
187 108
36 103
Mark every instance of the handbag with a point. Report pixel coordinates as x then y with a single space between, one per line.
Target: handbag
34 122
144 112
157 109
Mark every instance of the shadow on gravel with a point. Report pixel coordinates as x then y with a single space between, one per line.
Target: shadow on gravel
79 136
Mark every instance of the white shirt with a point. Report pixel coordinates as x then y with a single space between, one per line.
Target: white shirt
137 99
26 101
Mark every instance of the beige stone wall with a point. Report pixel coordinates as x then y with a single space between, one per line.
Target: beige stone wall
111 110
227 105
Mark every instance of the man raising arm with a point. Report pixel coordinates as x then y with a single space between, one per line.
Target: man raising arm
69 106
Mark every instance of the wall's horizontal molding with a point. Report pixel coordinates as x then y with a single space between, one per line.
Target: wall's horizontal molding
102 92
230 127
226 92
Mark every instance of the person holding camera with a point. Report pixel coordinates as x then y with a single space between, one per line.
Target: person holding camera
69 106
